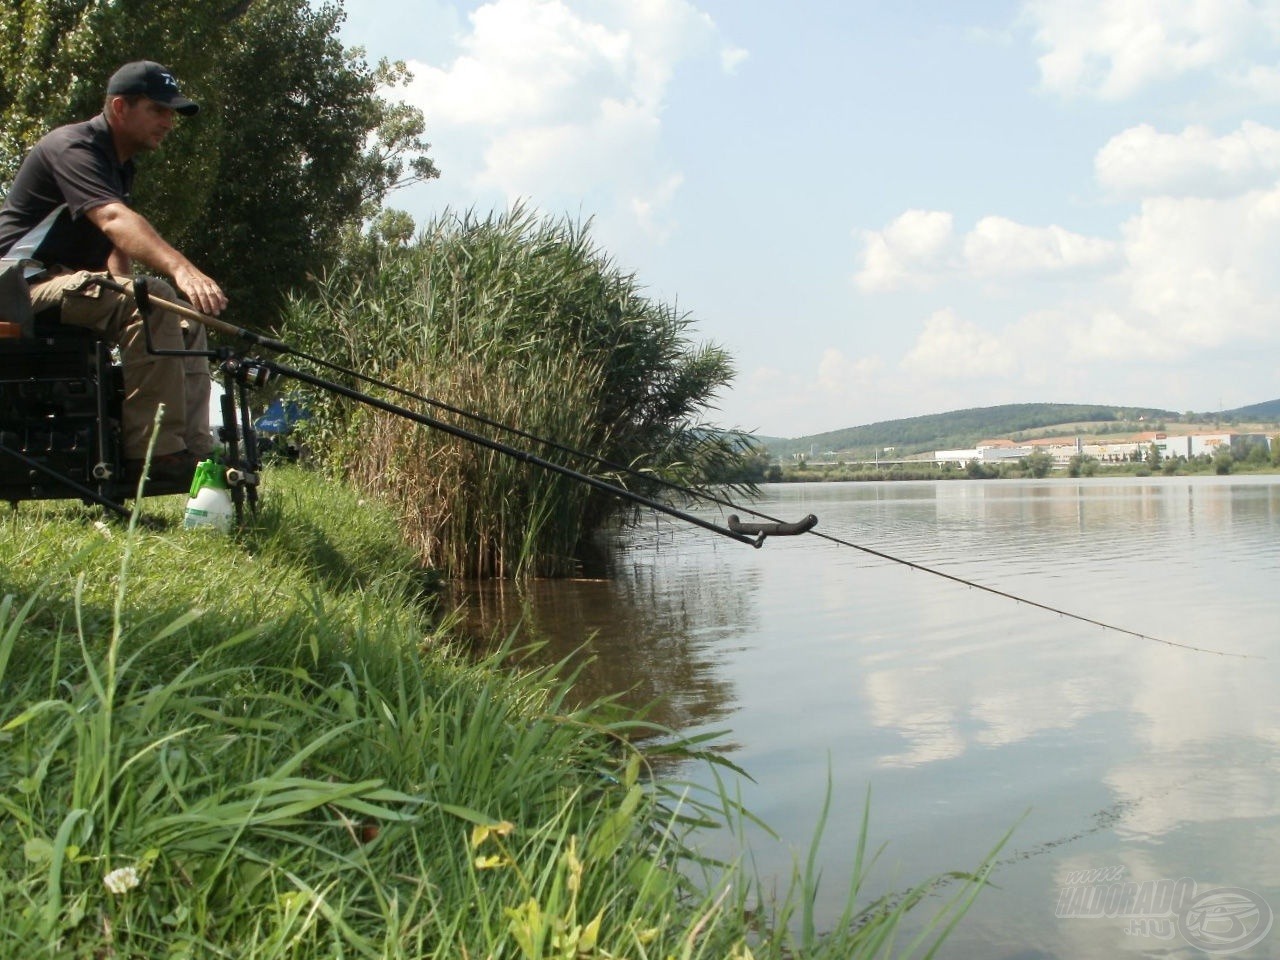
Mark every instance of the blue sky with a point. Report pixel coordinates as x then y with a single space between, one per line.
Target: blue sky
886 209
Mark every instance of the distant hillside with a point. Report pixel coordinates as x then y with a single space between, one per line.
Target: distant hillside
964 428
1268 412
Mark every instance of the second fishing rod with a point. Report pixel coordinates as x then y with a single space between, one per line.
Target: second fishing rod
753 534
257 371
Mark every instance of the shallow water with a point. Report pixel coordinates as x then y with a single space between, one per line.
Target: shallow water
967 713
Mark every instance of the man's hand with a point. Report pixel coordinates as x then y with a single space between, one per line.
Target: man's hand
203 293
133 237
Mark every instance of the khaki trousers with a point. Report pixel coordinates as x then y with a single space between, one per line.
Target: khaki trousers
180 383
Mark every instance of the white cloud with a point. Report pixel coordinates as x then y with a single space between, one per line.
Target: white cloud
533 160
908 252
649 209
1262 81
731 58
1144 162
839 387
561 102
998 247
839 377
524 61
1187 275
949 347
1112 49
920 247
1100 334
1202 271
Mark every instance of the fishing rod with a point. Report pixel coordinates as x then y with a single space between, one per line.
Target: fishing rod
772 525
255 371
734 529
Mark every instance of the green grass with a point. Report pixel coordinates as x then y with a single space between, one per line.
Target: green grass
264 746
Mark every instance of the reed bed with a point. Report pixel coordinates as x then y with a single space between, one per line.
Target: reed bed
524 321
264 748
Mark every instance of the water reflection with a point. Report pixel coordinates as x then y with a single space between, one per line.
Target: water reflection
632 636
965 712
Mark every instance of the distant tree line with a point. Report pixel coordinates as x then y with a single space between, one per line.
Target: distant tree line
1249 456
960 428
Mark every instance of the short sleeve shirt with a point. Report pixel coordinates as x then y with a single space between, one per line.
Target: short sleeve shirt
75 165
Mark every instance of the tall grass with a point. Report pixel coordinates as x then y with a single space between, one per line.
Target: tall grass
207 751
524 321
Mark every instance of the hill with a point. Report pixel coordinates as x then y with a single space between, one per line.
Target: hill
1268 412
964 428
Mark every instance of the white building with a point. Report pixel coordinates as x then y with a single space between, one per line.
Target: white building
988 451
1118 450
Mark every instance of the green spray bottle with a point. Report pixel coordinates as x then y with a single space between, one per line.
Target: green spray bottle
210 504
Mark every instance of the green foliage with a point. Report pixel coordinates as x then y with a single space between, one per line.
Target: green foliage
1038 463
258 187
1268 412
1082 466
751 467
803 472
1256 453
976 470
525 322
267 757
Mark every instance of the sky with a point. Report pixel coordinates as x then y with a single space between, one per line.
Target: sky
888 209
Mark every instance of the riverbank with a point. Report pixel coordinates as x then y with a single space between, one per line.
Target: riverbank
1012 470
268 747
965 710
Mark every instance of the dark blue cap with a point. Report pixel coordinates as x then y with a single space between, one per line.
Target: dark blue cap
154 82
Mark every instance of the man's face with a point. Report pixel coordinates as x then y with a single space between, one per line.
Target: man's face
142 125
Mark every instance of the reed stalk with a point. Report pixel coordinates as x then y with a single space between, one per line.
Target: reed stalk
524 321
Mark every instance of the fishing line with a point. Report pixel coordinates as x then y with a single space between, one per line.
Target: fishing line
279 346
709 497
1031 603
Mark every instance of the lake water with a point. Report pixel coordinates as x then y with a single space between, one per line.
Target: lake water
1115 759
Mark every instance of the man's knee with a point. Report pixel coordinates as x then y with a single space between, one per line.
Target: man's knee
78 300
162 289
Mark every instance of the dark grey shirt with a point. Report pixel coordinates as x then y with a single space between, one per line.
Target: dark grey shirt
75 165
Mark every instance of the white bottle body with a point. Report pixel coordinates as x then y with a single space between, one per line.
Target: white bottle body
210 507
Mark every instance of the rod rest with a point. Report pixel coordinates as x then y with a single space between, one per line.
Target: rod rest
772 529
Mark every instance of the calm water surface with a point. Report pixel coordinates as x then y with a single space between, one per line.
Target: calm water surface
965 713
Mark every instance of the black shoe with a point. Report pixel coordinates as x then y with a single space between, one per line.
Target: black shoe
170 470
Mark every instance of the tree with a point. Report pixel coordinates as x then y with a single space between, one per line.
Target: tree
1223 460
1082 466
1039 463
293 144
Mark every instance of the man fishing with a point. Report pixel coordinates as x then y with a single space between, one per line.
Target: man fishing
68 220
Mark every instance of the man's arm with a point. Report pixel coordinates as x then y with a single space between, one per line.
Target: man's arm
119 264
135 239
